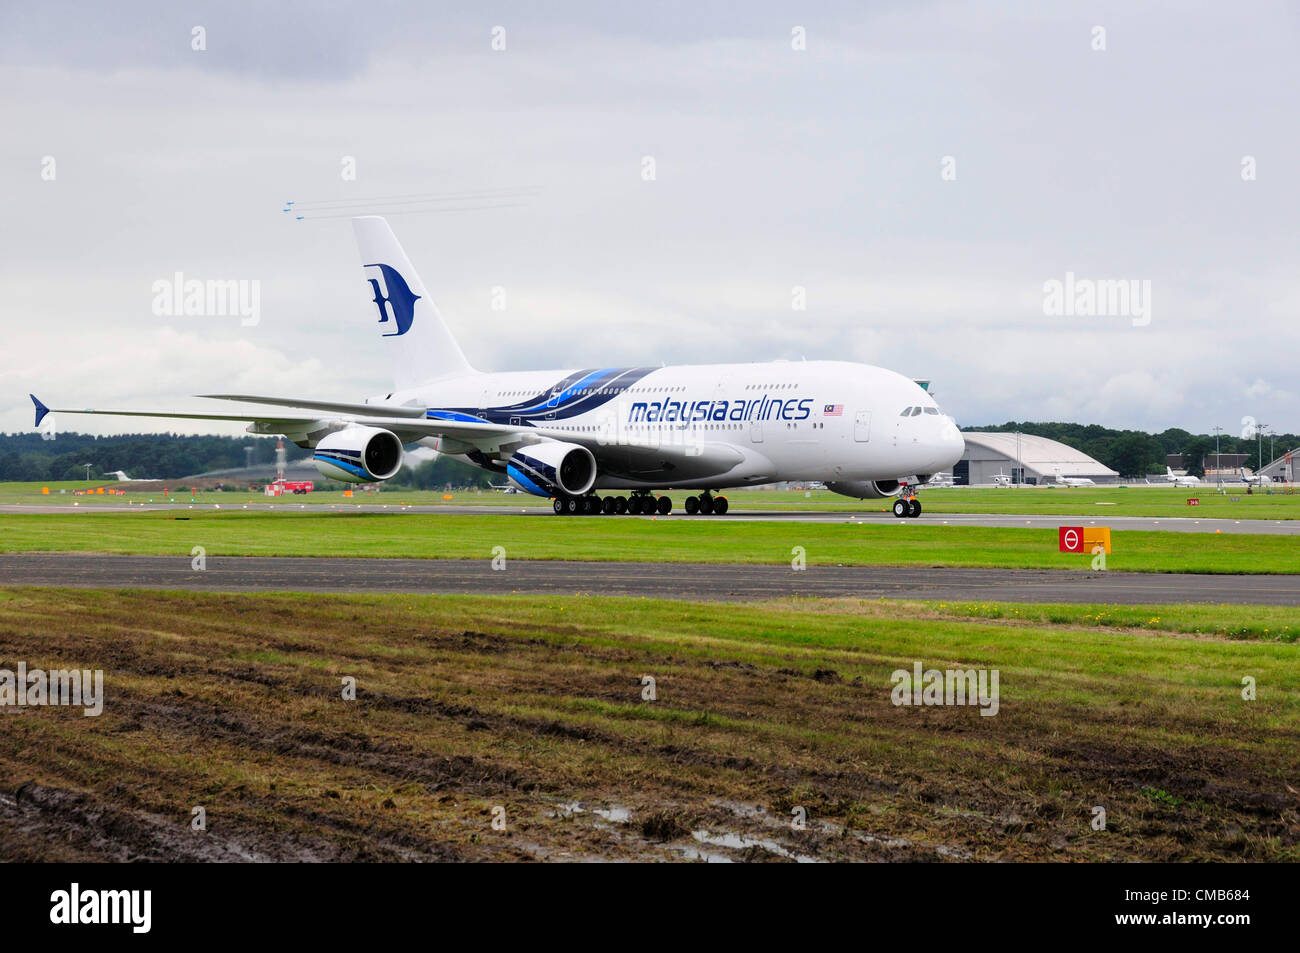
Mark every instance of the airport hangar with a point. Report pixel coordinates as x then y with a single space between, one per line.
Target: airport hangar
1025 459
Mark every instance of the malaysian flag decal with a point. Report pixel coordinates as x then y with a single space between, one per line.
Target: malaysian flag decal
832 410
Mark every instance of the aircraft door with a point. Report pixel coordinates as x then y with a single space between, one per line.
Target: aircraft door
862 426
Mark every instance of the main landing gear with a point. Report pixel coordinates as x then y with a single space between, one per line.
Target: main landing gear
907 507
638 504
706 504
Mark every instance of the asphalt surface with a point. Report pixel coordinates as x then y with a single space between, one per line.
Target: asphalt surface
723 582
1155 524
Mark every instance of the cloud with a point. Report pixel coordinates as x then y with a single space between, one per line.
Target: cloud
775 168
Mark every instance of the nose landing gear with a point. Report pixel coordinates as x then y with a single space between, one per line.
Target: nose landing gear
907 506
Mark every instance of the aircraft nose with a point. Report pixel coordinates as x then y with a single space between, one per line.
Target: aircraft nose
951 444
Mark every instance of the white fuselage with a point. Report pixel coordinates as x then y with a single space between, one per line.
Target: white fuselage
806 420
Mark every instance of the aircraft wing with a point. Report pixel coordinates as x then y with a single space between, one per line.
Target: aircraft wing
637 459
299 425
287 419
389 410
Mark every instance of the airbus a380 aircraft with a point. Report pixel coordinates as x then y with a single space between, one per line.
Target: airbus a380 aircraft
604 440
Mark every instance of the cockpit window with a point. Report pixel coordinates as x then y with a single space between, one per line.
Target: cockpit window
916 411
906 411
932 410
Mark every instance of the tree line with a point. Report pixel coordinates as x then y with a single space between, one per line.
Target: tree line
32 457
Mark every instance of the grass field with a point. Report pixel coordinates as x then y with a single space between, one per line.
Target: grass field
1101 502
534 705
893 542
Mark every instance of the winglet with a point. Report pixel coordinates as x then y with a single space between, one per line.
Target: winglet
41 409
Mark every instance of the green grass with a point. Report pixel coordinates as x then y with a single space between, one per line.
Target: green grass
1149 501
231 532
1099 503
1267 623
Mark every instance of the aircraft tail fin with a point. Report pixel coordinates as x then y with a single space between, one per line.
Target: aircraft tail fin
422 346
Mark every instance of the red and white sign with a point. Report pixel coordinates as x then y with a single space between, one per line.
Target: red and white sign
1193 501
1071 539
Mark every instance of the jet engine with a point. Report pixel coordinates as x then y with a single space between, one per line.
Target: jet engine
552 469
359 455
865 489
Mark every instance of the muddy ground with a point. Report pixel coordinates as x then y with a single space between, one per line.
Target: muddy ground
470 713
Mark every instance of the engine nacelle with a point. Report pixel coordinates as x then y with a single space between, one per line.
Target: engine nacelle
552 469
359 455
866 489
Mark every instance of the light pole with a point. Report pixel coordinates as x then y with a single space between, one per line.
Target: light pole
1020 467
1218 464
87 466
1259 440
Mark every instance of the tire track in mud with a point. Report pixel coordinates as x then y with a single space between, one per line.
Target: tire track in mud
1116 765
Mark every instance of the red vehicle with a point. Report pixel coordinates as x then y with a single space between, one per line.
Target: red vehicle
280 487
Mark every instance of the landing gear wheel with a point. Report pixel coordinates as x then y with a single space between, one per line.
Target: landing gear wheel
664 506
692 505
572 505
620 505
706 505
609 505
915 508
636 505
720 505
559 506
902 509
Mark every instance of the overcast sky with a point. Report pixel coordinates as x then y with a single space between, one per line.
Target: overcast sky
775 167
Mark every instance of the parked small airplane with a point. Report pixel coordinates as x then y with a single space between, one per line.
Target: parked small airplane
1001 479
1072 481
1183 480
1252 479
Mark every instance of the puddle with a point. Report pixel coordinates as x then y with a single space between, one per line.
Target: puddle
741 842
615 814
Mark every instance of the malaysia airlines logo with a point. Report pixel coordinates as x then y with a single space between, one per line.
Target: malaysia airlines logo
833 410
400 300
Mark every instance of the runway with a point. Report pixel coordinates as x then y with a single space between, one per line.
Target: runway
690 581
1021 521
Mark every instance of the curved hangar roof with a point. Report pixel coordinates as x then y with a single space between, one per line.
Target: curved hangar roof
1035 453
